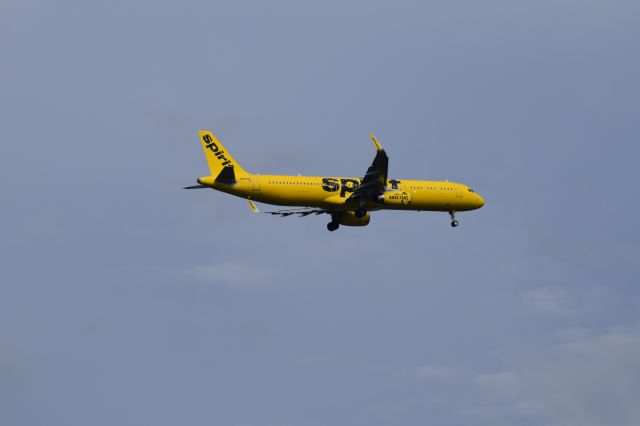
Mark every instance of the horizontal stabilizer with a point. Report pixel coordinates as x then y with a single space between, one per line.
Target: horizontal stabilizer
253 207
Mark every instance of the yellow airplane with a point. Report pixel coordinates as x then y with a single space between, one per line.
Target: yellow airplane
347 200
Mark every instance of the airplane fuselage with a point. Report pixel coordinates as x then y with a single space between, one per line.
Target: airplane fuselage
332 192
347 200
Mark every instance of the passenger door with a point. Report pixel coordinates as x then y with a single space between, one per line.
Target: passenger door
255 183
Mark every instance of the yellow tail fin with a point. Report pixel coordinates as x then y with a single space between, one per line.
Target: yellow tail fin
217 156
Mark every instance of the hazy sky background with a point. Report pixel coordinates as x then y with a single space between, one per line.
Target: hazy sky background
126 300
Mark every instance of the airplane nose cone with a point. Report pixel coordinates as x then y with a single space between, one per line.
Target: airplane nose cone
480 201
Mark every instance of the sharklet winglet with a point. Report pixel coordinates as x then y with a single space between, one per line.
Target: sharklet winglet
375 143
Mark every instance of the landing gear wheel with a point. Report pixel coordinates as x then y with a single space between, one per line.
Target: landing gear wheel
454 222
361 212
332 226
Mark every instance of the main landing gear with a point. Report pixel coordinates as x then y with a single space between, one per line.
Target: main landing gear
335 222
361 212
332 226
454 222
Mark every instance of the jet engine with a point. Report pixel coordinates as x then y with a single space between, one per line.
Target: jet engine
349 219
395 198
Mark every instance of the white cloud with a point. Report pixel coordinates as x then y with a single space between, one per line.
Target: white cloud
547 300
503 384
572 333
233 274
436 372
588 379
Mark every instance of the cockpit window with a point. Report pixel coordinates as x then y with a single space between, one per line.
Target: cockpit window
469 189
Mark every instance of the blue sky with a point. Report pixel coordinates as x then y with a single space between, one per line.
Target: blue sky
125 300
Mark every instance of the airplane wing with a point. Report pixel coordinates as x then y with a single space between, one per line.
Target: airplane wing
299 212
375 180
303 211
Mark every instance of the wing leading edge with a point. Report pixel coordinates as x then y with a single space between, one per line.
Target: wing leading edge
375 179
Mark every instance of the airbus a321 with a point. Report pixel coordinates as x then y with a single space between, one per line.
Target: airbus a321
348 201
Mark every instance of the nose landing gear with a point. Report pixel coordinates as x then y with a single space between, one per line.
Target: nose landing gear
454 222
